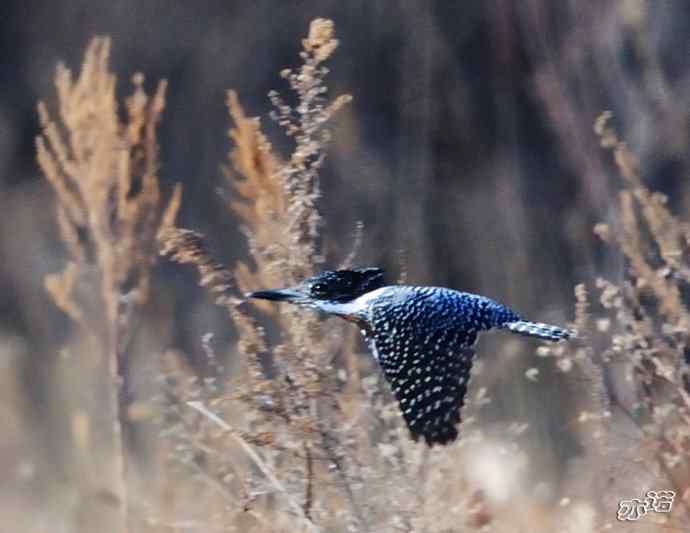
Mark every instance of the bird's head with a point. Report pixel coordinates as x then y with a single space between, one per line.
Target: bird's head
327 289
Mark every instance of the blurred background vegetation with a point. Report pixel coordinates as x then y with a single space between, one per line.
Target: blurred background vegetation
468 153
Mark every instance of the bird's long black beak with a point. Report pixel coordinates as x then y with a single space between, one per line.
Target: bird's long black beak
277 295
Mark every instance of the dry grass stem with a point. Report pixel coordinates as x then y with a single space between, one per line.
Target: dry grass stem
109 209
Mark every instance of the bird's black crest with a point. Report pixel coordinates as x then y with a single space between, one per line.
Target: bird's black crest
344 285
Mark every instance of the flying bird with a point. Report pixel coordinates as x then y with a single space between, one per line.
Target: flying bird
422 337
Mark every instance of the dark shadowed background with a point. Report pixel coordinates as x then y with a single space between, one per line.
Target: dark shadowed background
468 147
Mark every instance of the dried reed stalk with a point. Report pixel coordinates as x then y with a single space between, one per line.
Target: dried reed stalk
109 210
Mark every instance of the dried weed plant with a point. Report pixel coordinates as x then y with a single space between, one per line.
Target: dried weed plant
648 316
317 413
633 348
109 209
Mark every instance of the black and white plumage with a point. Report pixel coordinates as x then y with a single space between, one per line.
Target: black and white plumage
422 337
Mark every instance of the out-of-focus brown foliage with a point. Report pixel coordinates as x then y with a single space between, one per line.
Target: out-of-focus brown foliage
104 173
633 346
650 326
109 210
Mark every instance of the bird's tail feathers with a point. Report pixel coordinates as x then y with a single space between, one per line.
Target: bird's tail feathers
539 330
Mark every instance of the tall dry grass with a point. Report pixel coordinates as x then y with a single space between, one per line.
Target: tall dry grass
300 431
109 209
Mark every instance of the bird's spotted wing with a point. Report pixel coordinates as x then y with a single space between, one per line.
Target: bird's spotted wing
428 370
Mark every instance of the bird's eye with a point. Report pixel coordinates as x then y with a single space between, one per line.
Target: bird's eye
318 288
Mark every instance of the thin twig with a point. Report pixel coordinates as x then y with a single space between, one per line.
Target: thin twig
309 492
257 460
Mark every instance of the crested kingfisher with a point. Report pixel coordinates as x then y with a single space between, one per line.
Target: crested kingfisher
422 337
